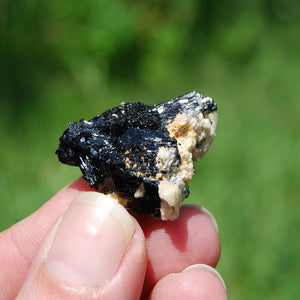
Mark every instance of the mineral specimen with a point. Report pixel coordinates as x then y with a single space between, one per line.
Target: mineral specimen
143 154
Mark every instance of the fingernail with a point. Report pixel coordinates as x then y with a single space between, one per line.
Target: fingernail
206 268
206 212
90 241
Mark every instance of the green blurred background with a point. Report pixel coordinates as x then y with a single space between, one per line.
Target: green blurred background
66 60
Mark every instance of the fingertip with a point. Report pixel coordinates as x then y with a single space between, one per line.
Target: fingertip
195 282
191 239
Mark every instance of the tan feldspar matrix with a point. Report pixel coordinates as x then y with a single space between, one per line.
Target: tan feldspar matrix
143 155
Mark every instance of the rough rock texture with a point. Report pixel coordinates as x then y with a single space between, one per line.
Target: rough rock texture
143 154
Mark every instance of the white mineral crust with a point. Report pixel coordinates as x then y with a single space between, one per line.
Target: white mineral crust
194 133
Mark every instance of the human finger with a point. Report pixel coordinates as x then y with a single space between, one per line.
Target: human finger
195 282
172 246
95 250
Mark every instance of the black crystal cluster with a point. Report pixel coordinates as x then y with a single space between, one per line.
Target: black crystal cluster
117 151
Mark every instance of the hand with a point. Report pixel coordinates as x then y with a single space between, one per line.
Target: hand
93 248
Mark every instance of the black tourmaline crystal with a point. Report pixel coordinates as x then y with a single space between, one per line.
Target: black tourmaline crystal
143 154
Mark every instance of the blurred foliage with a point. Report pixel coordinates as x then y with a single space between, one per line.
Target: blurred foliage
63 61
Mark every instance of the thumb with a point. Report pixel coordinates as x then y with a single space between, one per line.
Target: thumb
95 250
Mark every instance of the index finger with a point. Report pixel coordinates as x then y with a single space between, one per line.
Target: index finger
172 246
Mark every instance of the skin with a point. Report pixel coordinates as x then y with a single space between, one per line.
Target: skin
164 250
